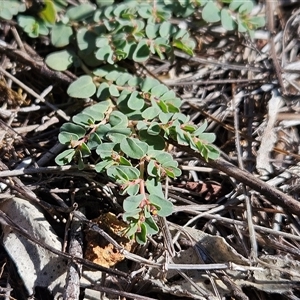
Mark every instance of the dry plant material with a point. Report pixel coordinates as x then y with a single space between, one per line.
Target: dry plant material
36 266
101 251
208 190
269 138
9 96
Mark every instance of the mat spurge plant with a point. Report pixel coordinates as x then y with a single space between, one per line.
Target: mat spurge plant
129 131
131 147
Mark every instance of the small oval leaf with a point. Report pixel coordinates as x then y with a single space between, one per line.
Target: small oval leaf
83 87
60 60
132 148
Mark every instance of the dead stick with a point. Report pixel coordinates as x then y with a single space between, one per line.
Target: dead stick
272 194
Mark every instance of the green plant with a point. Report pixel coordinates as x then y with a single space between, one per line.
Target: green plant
131 146
129 132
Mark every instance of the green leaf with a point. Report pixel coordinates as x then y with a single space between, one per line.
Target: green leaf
182 136
204 152
102 165
154 129
118 119
151 112
113 90
163 157
165 207
154 142
61 35
135 101
165 29
132 173
30 25
180 34
147 84
120 53
81 12
153 168
84 149
48 13
182 118
242 25
141 52
65 138
83 87
123 79
102 41
151 226
142 125
73 128
118 134
162 45
159 90
145 11
257 22
188 127
168 96
80 164
131 203
133 148
163 106
65 157
117 174
211 12
10 8
97 110
60 60
105 53
132 189
141 235
165 117
173 102
103 91
85 39
246 7
154 187
207 137
132 217
83 119
151 30
106 150
124 161
134 81
200 129
235 4
172 171
104 129
94 141
133 227
213 153
113 75
108 11
103 3
226 19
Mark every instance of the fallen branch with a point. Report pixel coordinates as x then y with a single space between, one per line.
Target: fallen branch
272 194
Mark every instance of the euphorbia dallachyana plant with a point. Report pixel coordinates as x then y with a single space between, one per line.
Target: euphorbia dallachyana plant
133 120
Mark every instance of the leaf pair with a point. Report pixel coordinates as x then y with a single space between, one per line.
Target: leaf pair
236 15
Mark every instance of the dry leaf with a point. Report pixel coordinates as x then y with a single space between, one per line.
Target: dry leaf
101 251
269 137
